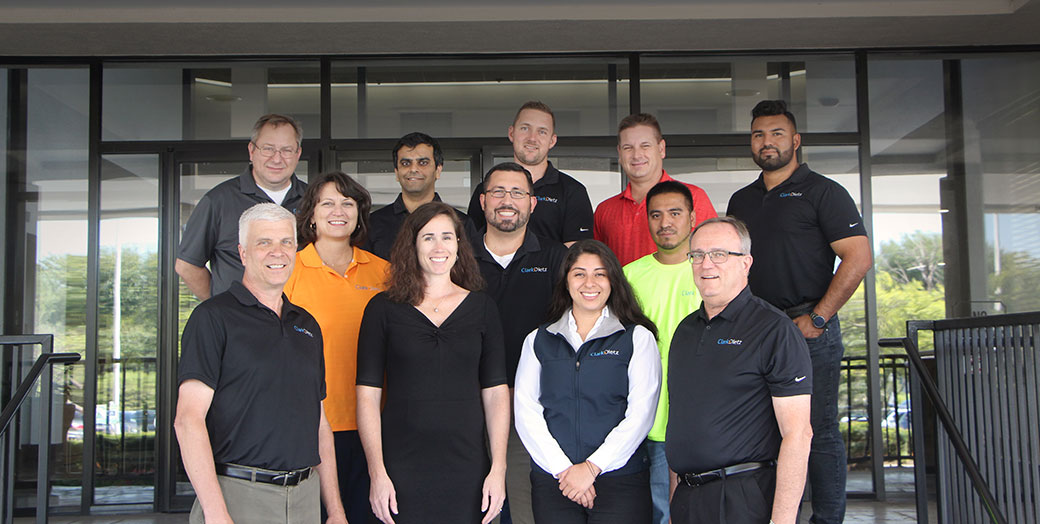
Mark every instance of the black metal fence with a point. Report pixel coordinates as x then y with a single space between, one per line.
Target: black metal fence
988 374
896 429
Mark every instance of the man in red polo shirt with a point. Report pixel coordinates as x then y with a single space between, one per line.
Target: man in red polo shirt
620 221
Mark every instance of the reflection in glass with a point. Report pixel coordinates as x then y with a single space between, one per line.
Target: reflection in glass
1001 131
713 96
475 98
52 266
128 329
207 101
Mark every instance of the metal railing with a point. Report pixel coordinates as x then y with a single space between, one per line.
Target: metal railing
40 370
985 397
897 431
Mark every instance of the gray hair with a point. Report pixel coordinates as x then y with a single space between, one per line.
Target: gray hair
266 211
276 120
737 224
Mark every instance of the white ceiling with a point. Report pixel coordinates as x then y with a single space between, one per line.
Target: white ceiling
267 27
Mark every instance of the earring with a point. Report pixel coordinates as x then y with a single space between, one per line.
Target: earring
313 226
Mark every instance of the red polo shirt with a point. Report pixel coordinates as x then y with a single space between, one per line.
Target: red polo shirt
620 222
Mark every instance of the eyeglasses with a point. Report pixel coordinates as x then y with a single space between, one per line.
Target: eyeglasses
501 193
717 257
269 150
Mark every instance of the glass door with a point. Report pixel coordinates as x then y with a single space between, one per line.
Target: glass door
191 173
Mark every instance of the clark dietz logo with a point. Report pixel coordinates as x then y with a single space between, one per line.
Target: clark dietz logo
534 269
304 331
790 194
730 341
546 199
606 353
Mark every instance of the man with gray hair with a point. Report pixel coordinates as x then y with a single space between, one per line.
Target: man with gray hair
738 421
250 418
211 234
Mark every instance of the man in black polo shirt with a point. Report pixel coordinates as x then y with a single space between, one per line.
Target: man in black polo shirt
564 212
418 161
250 417
799 222
520 268
739 392
211 234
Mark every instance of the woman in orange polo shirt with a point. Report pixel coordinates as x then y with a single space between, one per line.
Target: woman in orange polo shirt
333 279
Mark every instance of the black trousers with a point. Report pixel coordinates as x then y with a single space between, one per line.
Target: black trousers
352 470
744 498
621 499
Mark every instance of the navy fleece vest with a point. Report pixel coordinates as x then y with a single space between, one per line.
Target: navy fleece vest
585 394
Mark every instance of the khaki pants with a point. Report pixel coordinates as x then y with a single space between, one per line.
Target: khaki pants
259 503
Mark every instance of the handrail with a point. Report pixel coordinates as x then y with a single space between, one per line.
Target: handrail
943 412
27 383
46 358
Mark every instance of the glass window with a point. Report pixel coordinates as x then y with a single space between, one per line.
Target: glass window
1001 130
706 96
475 98
51 264
128 329
206 101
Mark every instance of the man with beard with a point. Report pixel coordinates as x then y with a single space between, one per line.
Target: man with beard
799 222
564 212
520 268
418 161
664 286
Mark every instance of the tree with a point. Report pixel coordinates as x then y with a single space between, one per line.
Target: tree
916 256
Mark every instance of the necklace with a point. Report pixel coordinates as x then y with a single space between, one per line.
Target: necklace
436 308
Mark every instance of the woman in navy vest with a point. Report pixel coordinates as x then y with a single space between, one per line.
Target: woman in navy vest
586 395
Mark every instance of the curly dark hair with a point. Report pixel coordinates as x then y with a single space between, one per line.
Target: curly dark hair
406 283
347 187
622 300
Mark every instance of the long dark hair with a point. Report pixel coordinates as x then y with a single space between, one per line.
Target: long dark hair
406 283
347 187
622 300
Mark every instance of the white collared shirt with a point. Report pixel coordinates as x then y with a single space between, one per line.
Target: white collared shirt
644 386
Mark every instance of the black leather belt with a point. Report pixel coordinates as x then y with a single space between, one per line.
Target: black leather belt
281 478
700 479
801 309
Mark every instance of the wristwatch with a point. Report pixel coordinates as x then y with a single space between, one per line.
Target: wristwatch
818 322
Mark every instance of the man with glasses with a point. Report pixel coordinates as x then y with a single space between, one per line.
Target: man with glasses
564 211
418 161
663 284
799 222
211 234
520 268
738 425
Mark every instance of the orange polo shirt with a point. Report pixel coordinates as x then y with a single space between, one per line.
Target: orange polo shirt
337 302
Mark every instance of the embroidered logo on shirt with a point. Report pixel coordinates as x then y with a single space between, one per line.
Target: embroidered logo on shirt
606 352
853 224
366 288
790 194
304 331
799 379
534 270
689 292
583 229
730 341
546 199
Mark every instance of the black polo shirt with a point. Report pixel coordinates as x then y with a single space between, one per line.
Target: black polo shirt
384 223
792 227
563 213
722 376
211 234
267 375
522 290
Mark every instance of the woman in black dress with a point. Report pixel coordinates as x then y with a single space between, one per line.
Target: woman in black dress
437 341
